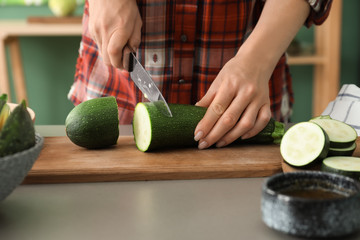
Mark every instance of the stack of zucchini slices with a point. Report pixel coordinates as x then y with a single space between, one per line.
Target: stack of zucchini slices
323 139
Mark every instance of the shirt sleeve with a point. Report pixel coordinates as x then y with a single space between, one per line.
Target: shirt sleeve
319 12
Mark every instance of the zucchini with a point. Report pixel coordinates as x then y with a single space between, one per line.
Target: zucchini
94 123
304 143
348 151
322 117
341 135
344 165
153 130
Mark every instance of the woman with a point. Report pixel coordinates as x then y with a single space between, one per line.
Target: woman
228 56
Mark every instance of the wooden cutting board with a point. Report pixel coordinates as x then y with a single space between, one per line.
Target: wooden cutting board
61 161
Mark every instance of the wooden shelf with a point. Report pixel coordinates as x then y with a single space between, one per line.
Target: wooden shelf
326 61
10 31
306 60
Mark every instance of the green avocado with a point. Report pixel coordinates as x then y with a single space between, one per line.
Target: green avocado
18 132
94 123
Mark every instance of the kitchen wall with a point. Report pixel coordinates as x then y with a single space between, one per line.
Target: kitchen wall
49 64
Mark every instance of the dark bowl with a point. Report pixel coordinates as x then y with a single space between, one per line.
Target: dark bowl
15 167
311 204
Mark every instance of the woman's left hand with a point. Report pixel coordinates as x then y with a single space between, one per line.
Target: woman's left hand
238 104
238 99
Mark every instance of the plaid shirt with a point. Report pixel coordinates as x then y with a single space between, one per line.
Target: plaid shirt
184 46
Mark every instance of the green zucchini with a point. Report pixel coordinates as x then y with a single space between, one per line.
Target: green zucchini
322 117
348 151
344 165
341 135
94 123
18 133
153 130
303 144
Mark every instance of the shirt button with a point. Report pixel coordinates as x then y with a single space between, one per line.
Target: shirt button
183 38
181 81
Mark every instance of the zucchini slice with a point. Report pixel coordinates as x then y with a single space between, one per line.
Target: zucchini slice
341 135
304 143
344 165
348 151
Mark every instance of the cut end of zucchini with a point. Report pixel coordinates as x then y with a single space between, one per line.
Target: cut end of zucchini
304 143
341 135
142 131
344 165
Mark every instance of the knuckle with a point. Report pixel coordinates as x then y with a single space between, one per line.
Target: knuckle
114 50
246 124
265 117
232 79
121 22
218 109
229 120
250 90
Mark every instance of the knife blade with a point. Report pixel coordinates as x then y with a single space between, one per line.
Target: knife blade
144 82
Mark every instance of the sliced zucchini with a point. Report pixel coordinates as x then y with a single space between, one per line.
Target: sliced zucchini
304 143
348 151
153 130
341 135
344 165
322 117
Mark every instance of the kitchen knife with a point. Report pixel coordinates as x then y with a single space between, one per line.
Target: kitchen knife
144 82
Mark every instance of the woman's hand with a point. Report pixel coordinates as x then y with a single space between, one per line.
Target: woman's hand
238 104
114 24
238 99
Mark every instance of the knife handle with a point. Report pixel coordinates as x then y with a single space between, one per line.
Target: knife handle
131 61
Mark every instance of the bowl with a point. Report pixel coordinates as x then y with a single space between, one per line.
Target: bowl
15 167
311 204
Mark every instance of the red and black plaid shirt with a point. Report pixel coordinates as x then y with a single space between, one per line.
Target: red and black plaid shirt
184 46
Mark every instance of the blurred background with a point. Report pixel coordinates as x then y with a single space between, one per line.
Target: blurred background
49 61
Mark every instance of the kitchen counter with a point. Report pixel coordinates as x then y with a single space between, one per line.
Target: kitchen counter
151 210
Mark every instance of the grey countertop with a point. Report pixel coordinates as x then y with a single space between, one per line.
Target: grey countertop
151 210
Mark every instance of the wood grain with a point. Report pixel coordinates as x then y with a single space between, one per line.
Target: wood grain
53 19
288 168
63 162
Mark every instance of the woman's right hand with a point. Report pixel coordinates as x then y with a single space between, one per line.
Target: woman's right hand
113 25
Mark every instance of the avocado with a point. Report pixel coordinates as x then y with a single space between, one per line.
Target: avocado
18 132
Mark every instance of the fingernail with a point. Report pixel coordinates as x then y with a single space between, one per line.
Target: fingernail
198 136
220 144
203 145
